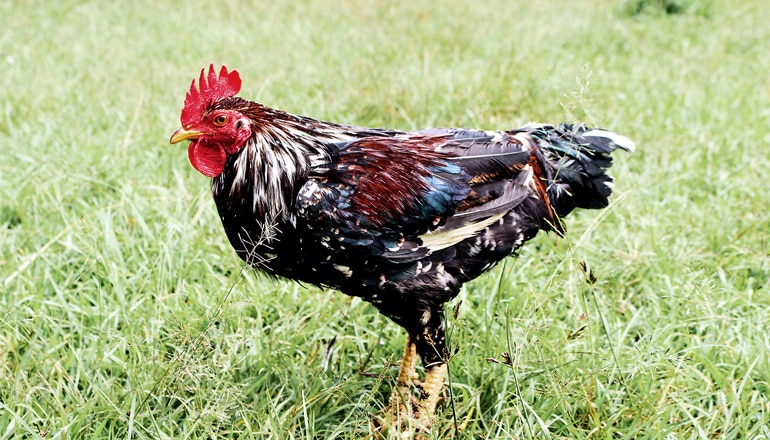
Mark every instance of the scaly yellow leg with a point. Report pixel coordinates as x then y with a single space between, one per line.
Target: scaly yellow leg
433 385
405 413
400 404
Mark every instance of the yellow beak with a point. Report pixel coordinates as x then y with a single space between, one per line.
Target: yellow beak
184 135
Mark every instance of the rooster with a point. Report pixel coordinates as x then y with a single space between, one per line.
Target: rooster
399 219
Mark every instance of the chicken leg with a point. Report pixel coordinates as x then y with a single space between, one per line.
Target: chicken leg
406 413
432 387
402 402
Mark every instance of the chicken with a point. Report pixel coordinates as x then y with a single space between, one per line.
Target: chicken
399 219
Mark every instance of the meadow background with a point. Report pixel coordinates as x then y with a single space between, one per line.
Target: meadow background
125 314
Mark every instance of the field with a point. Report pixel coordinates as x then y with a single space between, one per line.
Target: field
124 313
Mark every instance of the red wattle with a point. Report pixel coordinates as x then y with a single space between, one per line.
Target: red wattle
207 158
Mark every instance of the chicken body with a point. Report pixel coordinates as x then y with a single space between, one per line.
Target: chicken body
400 219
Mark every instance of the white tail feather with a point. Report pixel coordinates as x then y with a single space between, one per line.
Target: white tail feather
621 141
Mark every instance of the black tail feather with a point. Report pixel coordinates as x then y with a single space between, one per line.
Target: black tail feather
577 158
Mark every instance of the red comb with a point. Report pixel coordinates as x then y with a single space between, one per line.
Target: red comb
209 90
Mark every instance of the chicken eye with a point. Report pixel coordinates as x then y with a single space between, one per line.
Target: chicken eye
220 120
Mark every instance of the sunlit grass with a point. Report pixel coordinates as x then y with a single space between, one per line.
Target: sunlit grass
125 314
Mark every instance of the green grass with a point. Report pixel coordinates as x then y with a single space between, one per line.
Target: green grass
125 314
